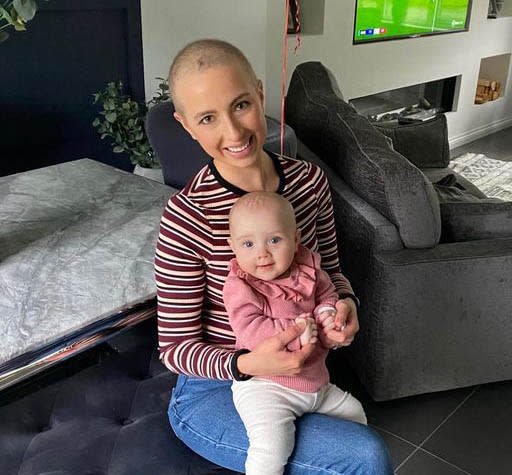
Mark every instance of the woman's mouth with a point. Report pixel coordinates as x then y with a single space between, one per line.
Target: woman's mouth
241 150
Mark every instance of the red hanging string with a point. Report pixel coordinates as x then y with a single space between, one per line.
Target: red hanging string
285 51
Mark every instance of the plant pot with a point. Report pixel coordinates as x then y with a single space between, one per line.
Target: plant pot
151 173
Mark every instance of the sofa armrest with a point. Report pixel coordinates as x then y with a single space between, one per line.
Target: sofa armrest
356 220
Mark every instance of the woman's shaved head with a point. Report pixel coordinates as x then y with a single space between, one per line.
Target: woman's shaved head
204 54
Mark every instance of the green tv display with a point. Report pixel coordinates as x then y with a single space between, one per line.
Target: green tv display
378 20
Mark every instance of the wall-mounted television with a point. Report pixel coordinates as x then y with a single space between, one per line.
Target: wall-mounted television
380 20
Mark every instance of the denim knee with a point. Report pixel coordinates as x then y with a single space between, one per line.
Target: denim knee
373 455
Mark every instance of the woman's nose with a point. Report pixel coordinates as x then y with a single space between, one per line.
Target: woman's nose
233 129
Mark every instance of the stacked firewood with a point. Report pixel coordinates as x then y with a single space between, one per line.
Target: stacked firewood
487 90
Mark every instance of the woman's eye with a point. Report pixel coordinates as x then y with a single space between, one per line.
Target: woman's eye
275 240
247 244
206 120
242 105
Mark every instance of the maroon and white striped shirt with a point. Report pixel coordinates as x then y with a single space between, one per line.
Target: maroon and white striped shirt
192 261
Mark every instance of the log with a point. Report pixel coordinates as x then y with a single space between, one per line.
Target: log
484 82
480 90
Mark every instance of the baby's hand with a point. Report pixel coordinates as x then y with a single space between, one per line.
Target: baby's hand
326 319
310 333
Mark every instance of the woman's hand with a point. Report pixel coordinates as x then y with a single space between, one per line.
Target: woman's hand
271 358
346 325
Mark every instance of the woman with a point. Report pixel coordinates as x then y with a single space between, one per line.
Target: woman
219 101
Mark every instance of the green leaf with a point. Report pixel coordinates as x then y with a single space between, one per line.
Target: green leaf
4 15
118 149
19 24
26 9
3 36
96 122
111 117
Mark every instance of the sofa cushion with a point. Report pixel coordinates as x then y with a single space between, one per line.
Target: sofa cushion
466 215
425 144
436 174
450 189
486 218
360 154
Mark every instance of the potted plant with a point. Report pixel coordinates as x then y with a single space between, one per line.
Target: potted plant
122 119
15 13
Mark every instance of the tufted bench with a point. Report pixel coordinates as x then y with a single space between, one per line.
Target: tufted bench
102 412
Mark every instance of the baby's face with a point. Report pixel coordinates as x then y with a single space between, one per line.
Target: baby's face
222 108
264 244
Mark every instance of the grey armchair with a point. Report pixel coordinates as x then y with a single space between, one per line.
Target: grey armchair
434 278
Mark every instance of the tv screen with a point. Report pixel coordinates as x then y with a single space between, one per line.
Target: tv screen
378 20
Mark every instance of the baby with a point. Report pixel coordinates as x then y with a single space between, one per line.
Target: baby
273 283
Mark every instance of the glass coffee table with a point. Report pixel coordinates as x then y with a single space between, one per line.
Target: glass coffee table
77 243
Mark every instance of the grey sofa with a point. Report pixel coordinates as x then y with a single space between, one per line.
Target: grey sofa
434 277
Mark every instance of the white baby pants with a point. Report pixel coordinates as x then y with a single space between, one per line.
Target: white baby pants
268 411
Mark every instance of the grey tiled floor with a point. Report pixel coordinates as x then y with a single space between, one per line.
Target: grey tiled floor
464 431
467 430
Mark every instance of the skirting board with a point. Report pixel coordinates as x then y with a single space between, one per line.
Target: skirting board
478 133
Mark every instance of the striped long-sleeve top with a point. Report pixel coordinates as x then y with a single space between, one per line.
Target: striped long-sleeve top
193 255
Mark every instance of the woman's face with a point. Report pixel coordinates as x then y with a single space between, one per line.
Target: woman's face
222 109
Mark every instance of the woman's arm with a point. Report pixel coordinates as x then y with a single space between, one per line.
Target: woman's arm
180 281
346 315
326 235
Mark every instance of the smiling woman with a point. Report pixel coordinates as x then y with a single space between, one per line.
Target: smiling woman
220 104
226 117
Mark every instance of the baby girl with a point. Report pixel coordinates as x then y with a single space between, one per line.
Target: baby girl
273 283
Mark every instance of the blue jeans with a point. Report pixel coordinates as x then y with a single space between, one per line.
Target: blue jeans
203 416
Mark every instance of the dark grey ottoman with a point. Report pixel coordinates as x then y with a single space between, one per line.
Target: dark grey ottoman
102 412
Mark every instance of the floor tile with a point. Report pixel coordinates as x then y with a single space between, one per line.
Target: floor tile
398 448
423 463
478 437
412 418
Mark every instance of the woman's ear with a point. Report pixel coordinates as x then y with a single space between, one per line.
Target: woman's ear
297 240
183 122
261 94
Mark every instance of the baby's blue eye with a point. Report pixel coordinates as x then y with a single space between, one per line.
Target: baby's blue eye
275 240
247 244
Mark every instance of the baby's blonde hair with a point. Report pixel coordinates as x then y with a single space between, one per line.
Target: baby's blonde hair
204 54
257 200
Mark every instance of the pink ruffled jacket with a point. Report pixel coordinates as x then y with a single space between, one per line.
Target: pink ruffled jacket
258 309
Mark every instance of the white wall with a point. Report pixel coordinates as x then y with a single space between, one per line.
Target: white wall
256 26
370 68
168 25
